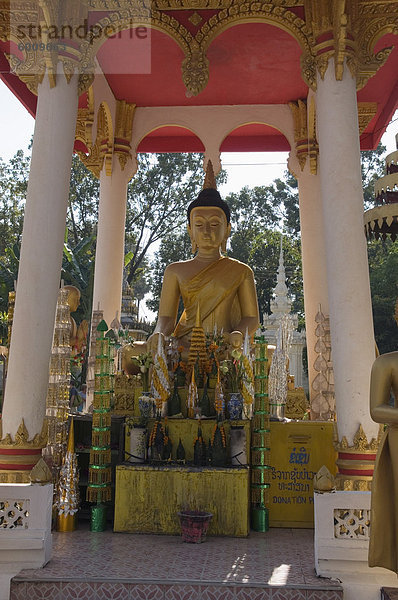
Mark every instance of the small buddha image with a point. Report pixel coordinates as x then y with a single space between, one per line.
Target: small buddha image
222 288
78 333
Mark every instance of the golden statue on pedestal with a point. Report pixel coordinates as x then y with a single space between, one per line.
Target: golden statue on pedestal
222 287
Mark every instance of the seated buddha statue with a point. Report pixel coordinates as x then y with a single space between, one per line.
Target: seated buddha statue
221 287
383 545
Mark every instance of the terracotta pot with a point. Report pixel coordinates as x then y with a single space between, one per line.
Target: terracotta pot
194 525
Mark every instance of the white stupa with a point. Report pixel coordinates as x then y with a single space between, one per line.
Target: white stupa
281 305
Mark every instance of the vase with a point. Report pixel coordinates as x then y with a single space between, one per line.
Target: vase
235 405
98 517
66 522
194 525
137 445
277 411
146 405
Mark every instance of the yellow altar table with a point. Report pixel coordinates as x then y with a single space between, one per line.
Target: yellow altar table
149 497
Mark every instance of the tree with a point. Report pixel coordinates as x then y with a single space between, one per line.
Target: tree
263 258
9 264
13 185
157 200
82 215
78 264
383 268
173 247
372 165
266 207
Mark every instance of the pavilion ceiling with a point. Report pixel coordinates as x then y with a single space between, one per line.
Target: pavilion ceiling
227 52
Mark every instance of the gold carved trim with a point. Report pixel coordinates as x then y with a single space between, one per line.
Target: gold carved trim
178 4
14 476
366 112
195 67
22 438
101 152
346 30
354 483
360 442
354 27
304 133
123 131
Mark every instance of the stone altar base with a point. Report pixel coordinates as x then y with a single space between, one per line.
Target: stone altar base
342 522
25 519
25 534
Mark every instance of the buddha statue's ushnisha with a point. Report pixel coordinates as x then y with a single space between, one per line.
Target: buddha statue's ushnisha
223 288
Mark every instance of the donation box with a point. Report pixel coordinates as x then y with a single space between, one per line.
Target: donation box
298 451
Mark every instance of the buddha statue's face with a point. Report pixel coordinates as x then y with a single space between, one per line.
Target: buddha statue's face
73 297
208 227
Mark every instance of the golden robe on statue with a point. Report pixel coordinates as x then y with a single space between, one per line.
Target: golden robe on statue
383 545
383 551
215 288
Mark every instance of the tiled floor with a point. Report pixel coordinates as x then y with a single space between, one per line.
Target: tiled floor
277 565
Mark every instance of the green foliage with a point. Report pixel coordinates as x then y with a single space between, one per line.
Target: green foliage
13 185
263 258
373 167
383 266
157 200
173 248
78 270
82 213
3 329
9 264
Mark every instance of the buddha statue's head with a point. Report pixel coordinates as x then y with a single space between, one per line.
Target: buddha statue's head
209 220
73 297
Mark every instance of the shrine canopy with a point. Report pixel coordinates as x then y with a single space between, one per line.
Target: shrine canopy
252 60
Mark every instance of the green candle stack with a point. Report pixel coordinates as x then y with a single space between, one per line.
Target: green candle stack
260 448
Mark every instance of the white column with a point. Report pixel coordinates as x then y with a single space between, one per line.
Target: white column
41 256
350 309
109 256
313 260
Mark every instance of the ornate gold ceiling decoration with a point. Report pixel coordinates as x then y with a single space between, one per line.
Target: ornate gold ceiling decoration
177 4
366 112
36 28
346 30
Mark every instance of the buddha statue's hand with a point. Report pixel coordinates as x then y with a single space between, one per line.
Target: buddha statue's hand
153 341
235 339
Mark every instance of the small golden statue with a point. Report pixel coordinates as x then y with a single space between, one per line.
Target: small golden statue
383 546
223 288
78 333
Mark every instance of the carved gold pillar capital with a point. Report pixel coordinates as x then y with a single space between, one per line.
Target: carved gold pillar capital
347 31
50 36
99 153
123 131
304 120
18 456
